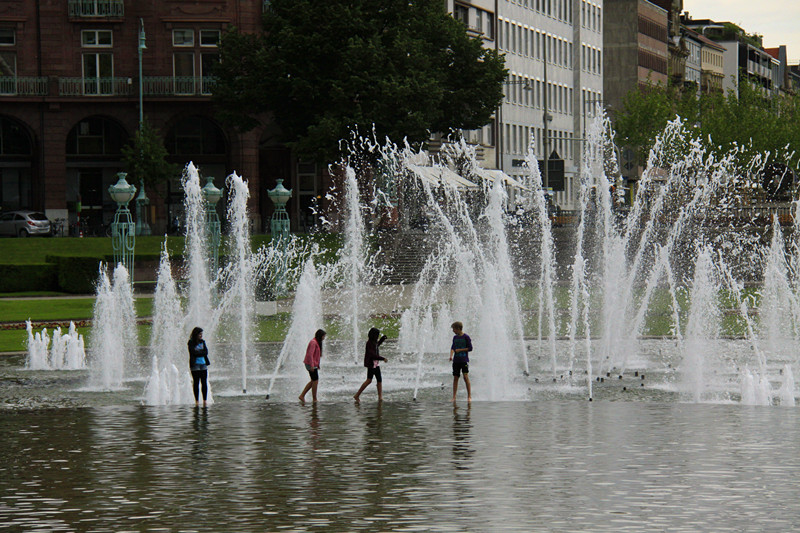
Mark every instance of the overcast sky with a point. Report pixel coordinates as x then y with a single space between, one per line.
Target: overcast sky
777 20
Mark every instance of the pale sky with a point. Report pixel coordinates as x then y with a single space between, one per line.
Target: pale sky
777 20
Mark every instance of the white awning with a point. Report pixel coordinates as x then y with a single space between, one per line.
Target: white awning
491 174
438 175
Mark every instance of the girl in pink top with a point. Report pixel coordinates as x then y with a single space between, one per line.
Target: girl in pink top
313 355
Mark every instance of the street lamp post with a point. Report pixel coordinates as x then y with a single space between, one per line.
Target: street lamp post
141 47
123 230
212 195
142 201
279 227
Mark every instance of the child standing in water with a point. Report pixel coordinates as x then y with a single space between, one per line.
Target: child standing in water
312 359
371 360
198 364
459 355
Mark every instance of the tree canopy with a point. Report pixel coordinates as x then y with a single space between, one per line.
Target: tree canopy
320 69
752 121
145 157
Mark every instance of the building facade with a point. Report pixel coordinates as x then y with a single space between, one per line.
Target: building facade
636 56
694 61
554 54
712 73
743 56
69 101
636 48
553 51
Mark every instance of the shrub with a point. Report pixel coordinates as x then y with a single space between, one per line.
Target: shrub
76 275
27 278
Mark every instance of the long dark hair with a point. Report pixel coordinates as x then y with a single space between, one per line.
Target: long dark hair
195 333
318 337
373 334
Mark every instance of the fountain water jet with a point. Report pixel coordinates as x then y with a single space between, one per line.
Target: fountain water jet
114 338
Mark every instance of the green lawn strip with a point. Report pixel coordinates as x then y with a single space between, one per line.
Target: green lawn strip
23 251
12 295
13 340
59 309
34 251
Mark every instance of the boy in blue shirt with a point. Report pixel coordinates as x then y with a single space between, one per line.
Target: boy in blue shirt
459 355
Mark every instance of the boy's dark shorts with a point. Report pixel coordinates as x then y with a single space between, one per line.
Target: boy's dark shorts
460 365
376 373
313 373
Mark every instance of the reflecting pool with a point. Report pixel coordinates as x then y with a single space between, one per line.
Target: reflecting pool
246 464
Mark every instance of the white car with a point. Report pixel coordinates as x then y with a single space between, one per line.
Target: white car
24 224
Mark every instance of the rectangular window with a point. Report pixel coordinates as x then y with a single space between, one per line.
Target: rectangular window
96 38
461 13
209 37
527 92
207 62
488 29
7 37
539 93
183 71
98 73
515 140
527 42
182 37
8 70
513 38
8 64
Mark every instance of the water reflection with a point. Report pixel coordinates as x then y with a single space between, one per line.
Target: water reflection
558 466
462 429
200 424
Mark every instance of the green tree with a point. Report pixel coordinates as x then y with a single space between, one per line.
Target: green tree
322 68
145 157
752 121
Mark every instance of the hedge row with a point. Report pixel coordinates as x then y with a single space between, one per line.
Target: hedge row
75 275
25 278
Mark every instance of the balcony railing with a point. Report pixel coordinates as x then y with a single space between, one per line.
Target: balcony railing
95 87
25 86
96 8
177 85
151 86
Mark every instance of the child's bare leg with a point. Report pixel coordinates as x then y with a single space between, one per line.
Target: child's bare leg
302 396
364 386
469 388
314 390
455 387
380 391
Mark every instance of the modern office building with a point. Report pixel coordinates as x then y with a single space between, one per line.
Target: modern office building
554 54
553 51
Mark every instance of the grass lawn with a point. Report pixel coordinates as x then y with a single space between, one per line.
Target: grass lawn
23 251
32 251
59 309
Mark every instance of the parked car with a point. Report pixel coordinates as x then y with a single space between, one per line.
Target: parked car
24 224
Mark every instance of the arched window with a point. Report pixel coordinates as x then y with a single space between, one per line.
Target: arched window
196 136
14 139
96 136
94 156
16 154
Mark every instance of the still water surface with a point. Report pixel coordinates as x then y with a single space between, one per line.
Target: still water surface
249 465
